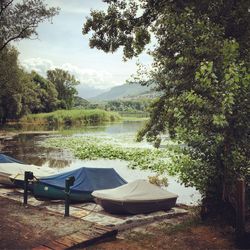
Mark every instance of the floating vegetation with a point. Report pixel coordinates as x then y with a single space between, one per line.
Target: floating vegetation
93 147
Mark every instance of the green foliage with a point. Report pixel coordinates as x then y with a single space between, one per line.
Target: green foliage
128 105
201 68
19 19
10 87
80 102
70 117
47 94
65 85
22 93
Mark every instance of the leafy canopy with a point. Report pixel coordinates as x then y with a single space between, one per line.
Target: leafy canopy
65 84
201 53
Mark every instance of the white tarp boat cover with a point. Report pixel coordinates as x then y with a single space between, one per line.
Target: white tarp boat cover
17 169
139 190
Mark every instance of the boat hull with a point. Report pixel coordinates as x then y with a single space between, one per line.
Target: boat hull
43 191
136 207
5 180
20 183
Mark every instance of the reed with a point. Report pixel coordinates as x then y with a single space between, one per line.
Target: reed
72 117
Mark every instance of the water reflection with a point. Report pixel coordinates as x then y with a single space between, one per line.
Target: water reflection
27 148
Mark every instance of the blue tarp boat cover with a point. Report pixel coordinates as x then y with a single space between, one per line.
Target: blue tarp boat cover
86 179
7 159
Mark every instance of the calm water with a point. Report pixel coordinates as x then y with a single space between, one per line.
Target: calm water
26 147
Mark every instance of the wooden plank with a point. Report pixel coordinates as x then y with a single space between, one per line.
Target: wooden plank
66 241
103 227
55 245
79 238
79 235
41 248
100 231
91 240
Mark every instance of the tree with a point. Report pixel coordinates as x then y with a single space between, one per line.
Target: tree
30 100
21 92
46 92
10 89
65 84
201 68
19 20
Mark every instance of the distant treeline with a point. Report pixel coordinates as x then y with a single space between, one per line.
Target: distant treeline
122 106
23 93
141 105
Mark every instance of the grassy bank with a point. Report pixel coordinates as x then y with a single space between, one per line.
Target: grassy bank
72 117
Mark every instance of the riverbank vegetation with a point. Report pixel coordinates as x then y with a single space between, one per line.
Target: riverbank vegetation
72 117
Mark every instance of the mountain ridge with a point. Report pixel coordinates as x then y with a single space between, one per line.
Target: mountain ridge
122 91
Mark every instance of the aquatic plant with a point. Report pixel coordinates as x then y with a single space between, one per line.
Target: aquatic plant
92 147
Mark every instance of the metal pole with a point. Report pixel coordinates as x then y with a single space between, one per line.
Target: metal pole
27 176
67 198
68 182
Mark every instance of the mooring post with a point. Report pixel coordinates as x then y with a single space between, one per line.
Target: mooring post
27 176
68 183
240 211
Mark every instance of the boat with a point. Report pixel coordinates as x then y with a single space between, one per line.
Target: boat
12 171
137 197
4 174
38 172
7 159
86 181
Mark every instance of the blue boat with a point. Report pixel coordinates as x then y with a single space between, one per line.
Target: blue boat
7 159
86 181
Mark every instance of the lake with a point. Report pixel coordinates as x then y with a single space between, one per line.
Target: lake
28 148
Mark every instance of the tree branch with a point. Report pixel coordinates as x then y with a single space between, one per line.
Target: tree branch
13 38
4 7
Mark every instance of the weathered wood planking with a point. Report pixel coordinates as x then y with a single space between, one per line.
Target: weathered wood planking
41 248
55 245
79 239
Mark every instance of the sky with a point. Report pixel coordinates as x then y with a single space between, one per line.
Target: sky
61 44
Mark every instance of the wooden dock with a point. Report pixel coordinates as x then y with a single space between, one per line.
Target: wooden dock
95 225
80 240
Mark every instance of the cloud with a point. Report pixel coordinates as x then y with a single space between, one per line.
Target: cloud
38 64
87 76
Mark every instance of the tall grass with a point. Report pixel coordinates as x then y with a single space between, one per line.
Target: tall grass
72 117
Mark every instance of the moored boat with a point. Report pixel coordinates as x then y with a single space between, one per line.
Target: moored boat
137 197
7 159
12 171
86 181
5 170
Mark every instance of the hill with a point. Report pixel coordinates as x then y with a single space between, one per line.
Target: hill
122 91
80 102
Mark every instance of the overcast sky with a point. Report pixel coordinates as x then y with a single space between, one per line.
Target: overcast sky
62 45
